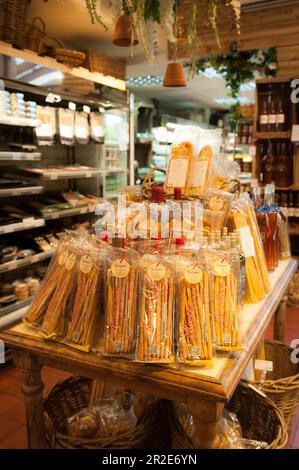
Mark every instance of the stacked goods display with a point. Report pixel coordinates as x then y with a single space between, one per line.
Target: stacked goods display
171 298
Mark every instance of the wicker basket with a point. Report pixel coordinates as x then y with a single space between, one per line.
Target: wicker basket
66 56
13 15
35 32
71 395
260 420
282 385
148 183
112 66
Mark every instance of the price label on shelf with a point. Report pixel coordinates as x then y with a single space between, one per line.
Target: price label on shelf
260 364
88 174
295 133
29 222
252 150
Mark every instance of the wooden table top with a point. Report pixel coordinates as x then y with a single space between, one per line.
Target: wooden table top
215 383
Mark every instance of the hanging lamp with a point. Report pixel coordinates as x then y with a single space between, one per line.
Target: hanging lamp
122 32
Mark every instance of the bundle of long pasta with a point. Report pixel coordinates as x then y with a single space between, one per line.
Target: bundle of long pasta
256 279
155 323
83 322
223 302
120 323
194 327
56 271
255 231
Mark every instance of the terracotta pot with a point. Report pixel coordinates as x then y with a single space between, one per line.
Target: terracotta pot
174 75
122 32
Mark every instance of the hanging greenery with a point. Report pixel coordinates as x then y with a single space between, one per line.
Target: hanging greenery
146 14
240 66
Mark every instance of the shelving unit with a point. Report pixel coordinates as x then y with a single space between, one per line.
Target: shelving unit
21 263
29 190
16 306
18 121
20 156
70 212
26 224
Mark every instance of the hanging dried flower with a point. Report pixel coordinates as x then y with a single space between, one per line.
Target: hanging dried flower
91 6
236 6
167 18
212 19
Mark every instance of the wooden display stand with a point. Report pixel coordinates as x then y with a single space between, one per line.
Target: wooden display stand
204 390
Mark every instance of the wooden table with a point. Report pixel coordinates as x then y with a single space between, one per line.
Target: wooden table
204 390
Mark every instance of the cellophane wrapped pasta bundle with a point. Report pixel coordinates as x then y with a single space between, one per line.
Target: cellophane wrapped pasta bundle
242 218
224 307
50 305
199 172
216 204
194 335
155 342
178 168
121 303
84 321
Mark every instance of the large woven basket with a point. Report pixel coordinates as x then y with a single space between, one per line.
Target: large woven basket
13 15
112 66
68 396
259 417
35 32
282 385
66 56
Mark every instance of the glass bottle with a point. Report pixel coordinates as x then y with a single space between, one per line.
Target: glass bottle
263 120
263 222
272 116
282 167
280 116
268 165
272 255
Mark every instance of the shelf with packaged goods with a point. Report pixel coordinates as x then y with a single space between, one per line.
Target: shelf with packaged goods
19 121
20 156
26 224
20 263
11 192
116 170
15 306
70 212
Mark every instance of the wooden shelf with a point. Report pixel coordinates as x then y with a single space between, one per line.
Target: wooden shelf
20 263
272 135
20 156
12 192
26 224
18 121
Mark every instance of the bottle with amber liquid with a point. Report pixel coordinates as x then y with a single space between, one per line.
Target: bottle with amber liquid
280 116
263 118
282 167
268 165
271 253
272 115
263 222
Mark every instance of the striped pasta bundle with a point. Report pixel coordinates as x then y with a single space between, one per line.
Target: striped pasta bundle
155 324
194 327
84 316
53 325
224 305
120 327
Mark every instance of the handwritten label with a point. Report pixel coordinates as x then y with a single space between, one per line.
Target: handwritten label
120 268
247 242
85 264
156 271
216 203
63 257
221 268
193 274
70 262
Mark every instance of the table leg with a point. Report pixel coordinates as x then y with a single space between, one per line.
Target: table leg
206 415
280 320
32 388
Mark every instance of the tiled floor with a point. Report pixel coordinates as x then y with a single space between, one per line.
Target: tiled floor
12 413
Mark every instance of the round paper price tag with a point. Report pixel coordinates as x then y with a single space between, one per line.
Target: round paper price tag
63 257
221 268
70 262
216 203
156 271
120 268
193 274
85 264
